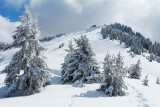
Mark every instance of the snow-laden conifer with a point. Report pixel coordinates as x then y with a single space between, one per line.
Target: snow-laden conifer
158 82
88 69
135 70
114 73
70 47
27 73
70 64
81 64
145 81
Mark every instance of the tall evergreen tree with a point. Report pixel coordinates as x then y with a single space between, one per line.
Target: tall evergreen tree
70 64
114 73
135 70
81 64
27 73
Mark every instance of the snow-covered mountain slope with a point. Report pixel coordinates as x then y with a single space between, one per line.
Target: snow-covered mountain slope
68 95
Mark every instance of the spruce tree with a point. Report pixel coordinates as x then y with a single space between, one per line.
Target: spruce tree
145 81
70 64
88 69
157 80
81 64
135 70
114 73
27 73
70 47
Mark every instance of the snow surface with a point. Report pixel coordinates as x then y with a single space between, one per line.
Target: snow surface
69 95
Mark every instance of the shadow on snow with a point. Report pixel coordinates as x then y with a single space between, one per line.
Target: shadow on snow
56 76
92 94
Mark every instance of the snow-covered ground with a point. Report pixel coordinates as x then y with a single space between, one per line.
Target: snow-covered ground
68 95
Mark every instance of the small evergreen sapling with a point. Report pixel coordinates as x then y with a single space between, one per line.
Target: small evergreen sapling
145 81
157 80
135 70
70 47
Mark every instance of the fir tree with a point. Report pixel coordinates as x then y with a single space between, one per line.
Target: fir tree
114 73
145 81
80 65
70 47
157 80
135 70
88 69
69 66
27 73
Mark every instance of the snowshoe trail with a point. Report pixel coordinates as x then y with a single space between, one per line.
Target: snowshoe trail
142 101
72 101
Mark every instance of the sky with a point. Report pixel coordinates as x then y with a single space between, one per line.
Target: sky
62 16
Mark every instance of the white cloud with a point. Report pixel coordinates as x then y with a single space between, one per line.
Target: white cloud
6 29
74 5
35 3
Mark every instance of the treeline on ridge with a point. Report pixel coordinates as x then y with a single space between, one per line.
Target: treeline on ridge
135 40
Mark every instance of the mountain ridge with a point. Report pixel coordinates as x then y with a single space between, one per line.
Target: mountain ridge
69 95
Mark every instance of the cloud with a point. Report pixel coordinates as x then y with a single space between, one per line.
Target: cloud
74 5
35 3
6 29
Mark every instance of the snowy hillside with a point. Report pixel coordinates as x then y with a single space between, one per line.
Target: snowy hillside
69 95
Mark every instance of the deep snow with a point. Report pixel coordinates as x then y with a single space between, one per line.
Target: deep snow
68 95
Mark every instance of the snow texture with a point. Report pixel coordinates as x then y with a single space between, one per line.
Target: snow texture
67 95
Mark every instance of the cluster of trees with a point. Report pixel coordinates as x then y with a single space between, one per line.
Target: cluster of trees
45 39
81 67
154 51
136 41
135 73
61 45
3 46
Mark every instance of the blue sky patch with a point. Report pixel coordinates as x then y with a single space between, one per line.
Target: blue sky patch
10 11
